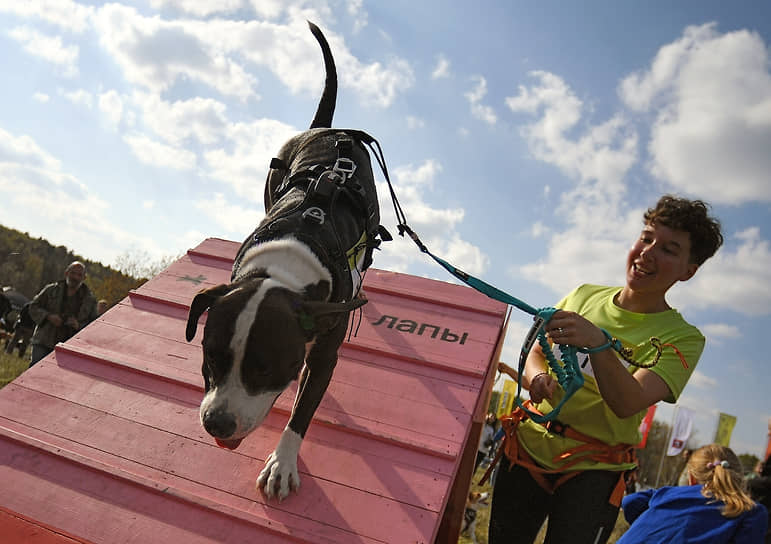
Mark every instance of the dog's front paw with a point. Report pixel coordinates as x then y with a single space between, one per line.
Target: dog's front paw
279 477
280 473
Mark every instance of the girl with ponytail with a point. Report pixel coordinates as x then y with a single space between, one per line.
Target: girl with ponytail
714 508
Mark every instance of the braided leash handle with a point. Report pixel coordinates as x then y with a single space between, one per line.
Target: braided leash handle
568 374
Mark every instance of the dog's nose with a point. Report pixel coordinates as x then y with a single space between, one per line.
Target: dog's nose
219 424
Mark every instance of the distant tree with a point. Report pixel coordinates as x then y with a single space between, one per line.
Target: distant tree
650 457
494 400
139 263
113 288
749 461
27 264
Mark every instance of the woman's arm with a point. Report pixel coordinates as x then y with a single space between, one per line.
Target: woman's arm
537 380
625 394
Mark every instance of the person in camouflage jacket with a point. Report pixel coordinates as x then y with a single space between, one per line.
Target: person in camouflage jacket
59 310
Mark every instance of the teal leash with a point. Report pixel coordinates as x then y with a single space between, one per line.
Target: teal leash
569 374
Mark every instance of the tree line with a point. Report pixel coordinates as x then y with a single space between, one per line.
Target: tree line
27 264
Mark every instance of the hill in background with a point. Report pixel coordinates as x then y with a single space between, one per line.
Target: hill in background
28 264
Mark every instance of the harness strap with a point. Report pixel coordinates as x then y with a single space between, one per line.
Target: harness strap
591 449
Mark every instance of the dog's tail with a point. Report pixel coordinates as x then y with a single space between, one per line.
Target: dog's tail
326 109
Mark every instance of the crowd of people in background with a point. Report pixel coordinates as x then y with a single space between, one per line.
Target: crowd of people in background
54 315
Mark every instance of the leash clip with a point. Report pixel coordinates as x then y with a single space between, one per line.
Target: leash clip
314 214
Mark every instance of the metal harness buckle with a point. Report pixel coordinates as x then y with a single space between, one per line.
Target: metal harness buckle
314 214
344 166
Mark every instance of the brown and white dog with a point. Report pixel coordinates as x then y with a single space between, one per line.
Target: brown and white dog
294 281
474 502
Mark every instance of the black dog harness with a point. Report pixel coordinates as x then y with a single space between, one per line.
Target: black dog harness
310 197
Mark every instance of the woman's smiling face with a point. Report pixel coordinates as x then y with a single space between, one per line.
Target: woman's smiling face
659 258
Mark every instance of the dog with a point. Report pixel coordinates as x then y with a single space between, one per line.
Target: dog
474 502
294 281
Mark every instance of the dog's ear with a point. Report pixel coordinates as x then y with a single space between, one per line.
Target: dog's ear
201 302
322 316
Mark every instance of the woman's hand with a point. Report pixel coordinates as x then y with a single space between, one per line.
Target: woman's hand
572 329
542 387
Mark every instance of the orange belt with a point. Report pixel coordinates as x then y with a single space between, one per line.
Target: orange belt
591 449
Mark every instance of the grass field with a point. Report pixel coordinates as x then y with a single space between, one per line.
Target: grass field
11 365
483 518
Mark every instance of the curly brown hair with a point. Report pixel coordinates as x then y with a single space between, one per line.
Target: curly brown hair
691 216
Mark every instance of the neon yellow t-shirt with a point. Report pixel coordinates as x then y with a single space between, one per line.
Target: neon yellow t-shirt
586 411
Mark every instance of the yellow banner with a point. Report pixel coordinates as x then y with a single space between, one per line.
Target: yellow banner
506 400
725 426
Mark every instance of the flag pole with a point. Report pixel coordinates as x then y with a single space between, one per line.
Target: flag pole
666 444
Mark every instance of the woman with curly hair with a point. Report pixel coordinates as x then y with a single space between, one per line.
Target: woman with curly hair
714 508
574 470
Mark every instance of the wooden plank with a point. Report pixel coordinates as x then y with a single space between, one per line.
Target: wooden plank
17 528
356 466
209 479
103 504
401 421
432 291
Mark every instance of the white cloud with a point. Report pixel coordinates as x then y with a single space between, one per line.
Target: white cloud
735 280
80 97
600 157
155 53
41 97
717 333
442 68
711 95
702 381
414 123
539 230
23 150
157 154
597 158
235 219
68 15
720 331
32 179
475 97
244 163
205 8
49 48
111 105
203 119
435 226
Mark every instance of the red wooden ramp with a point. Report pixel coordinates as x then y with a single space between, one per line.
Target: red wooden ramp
101 443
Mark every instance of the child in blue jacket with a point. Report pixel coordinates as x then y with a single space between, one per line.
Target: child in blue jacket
714 507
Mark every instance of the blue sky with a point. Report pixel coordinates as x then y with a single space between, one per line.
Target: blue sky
524 140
